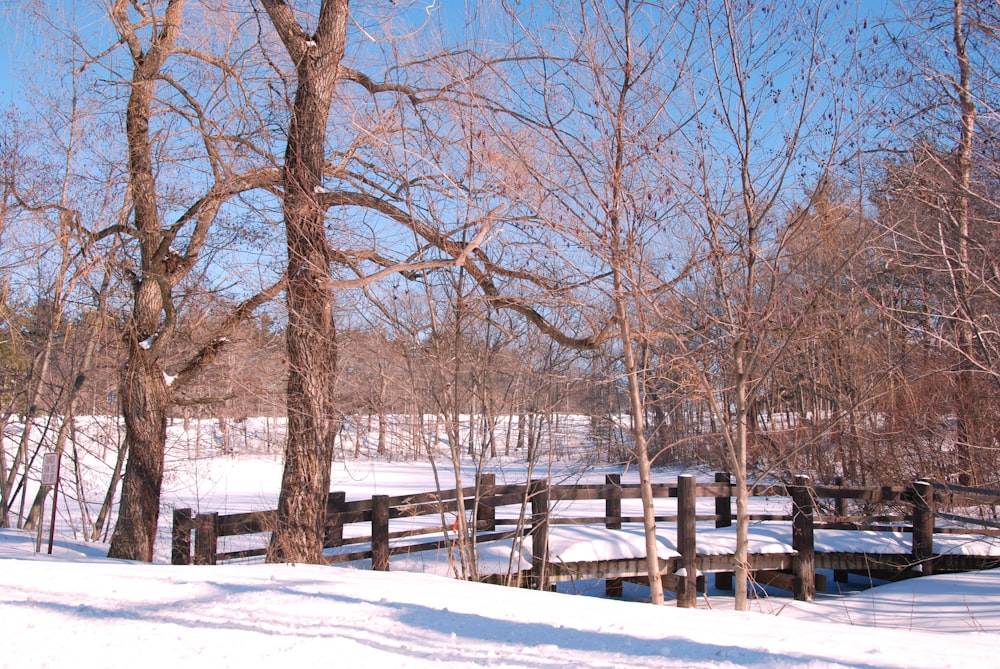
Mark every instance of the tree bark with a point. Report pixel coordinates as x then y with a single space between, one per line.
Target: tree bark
142 390
144 401
958 259
311 334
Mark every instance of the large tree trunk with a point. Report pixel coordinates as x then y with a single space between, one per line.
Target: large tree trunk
144 401
143 391
311 336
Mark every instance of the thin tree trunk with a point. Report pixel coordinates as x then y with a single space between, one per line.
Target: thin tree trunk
959 259
39 372
105 510
73 400
741 558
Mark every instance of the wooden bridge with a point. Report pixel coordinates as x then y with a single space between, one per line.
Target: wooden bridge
820 531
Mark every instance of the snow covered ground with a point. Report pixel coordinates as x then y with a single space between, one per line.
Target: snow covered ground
77 608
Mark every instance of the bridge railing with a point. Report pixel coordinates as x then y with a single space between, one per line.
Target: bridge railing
536 508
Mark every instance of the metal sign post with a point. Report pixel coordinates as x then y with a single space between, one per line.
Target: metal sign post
50 477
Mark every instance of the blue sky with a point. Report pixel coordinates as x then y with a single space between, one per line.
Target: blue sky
7 47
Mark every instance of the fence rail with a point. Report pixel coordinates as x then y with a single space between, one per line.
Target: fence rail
534 500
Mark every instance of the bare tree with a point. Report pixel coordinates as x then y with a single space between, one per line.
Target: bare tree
939 206
594 173
165 253
40 195
772 124
392 187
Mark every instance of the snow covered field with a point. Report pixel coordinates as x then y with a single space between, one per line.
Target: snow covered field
77 608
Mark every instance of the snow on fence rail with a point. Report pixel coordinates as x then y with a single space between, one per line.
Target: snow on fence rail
529 512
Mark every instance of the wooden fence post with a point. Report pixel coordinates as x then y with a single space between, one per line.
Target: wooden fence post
687 589
380 533
539 493
613 501
804 564
334 529
180 537
840 575
206 538
486 510
840 502
923 526
724 518
613 587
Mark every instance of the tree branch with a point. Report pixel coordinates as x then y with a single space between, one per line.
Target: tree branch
211 350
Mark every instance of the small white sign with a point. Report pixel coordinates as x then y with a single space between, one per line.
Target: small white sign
50 468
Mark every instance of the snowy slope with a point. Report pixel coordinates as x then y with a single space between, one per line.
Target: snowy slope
78 610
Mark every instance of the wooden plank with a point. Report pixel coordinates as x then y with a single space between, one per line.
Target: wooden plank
965 530
804 566
840 502
512 491
431 497
923 525
613 503
868 493
430 508
948 562
775 579
509 499
236 524
965 519
539 533
605 569
333 529
720 488
358 505
968 494
662 490
685 590
853 562
576 492
485 513
724 500
769 491
351 517
687 596
206 538
380 533
592 520
858 520
241 555
724 563
786 581
517 579
180 537
339 558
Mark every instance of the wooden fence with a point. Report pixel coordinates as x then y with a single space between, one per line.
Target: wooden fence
812 507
